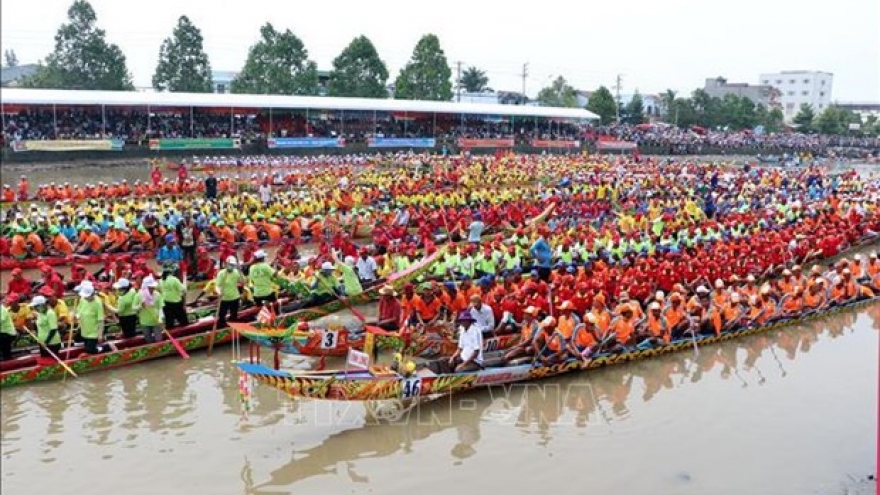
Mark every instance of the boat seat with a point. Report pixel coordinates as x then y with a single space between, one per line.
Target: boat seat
494 362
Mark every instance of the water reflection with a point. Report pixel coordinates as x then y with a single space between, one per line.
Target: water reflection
593 401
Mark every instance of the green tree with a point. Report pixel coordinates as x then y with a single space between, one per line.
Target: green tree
277 64
775 120
183 64
602 103
10 59
427 75
682 113
473 80
829 121
358 71
706 109
871 127
804 118
558 94
82 58
635 110
667 98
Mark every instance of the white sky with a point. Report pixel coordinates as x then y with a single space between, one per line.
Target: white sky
654 44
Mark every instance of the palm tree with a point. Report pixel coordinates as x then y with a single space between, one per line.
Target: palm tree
668 99
473 80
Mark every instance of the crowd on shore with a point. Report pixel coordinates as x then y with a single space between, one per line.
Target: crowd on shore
552 233
136 127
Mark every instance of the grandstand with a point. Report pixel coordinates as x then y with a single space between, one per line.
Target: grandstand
44 120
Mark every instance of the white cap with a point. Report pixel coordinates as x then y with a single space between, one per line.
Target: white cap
259 253
765 289
719 284
846 271
653 305
591 318
38 300
702 290
122 283
150 282
660 295
750 278
873 255
734 298
86 290
857 257
327 266
349 260
232 260
753 299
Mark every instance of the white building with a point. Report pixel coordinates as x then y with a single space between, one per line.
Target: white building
799 87
223 80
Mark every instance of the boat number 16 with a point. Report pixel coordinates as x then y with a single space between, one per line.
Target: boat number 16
412 387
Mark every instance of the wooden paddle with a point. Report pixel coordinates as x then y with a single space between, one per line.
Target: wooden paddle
54 356
213 333
176 344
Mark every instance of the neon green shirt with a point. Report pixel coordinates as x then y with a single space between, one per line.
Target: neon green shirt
46 322
91 317
6 324
149 316
228 282
125 303
260 276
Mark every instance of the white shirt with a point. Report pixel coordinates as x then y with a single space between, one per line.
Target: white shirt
470 341
484 318
366 268
265 193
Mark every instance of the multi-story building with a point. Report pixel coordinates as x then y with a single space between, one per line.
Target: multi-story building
761 94
798 87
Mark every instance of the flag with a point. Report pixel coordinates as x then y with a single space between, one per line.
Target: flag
266 316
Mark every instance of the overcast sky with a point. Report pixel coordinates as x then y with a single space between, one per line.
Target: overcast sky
655 45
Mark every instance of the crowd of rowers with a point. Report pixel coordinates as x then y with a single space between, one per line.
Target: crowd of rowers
616 227
563 318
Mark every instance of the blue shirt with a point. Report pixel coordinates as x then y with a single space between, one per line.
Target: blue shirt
541 251
169 253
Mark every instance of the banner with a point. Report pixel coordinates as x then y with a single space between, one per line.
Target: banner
195 144
358 359
485 143
613 145
401 142
306 142
543 143
69 145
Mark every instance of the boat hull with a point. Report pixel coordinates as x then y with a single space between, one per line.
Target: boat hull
362 386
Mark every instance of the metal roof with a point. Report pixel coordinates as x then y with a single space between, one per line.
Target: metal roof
17 96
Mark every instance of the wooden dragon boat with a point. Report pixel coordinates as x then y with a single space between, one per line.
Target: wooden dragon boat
381 383
32 368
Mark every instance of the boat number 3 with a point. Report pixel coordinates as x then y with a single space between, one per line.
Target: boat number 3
329 338
412 387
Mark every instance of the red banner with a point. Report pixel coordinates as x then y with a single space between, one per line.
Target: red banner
485 143
543 143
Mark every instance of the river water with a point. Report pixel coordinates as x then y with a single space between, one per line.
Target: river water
792 411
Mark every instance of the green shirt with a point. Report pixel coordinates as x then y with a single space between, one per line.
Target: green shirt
260 276
6 325
46 322
350 280
228 282
149 316
324 285
91 317
125 303
172 289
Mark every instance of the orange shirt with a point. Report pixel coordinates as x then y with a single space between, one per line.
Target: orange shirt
62 245
565 326
655 327
427 310
624 329
674 315
18 248
455 305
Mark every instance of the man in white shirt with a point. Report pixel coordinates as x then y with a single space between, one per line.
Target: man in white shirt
484 318
265 193
469 354
366 268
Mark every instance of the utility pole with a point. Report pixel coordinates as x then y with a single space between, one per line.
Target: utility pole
617 106
458 80
525 74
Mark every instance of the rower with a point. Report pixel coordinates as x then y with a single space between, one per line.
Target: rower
549 346
46 323
260 276
654 329
583 341
148 303
90 316
528 331
8 334
389 312
227 286
173 293
125 310
468 355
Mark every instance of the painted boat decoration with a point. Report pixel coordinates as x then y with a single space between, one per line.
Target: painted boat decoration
336 341
380 383
31 368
